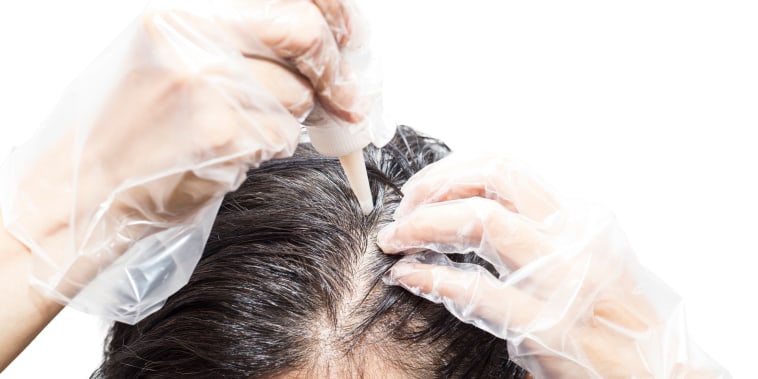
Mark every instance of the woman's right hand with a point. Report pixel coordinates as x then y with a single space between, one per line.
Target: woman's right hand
566 290
170 118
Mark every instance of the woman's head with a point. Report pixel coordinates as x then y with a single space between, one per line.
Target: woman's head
290 286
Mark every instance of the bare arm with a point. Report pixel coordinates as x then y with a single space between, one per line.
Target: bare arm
24 312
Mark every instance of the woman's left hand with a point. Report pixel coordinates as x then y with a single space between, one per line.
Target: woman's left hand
568 293
116 193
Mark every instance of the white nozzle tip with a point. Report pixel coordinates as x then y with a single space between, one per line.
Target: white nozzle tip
355 170
367 205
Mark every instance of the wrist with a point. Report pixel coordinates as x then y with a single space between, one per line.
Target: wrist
9 245
24 312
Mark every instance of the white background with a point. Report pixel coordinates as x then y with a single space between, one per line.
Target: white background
649 108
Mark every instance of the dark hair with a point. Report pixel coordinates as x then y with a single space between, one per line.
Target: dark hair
290 283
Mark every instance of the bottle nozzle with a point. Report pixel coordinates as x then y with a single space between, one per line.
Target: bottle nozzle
355 170
347 143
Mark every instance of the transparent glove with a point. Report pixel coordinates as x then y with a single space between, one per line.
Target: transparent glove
116 193
568 293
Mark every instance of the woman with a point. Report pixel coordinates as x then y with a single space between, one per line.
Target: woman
563 290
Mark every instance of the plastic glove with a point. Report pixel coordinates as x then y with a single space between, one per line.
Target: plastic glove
122 183
568 293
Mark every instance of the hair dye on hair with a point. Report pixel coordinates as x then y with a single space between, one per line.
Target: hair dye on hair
289 285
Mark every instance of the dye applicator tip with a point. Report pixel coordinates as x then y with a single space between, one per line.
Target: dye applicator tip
347 143
355 170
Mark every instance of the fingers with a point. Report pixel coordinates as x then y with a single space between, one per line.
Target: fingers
620 316
501 179
502 237
470 293
213 115
337 15
223 116
299 33
293 91
303 35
